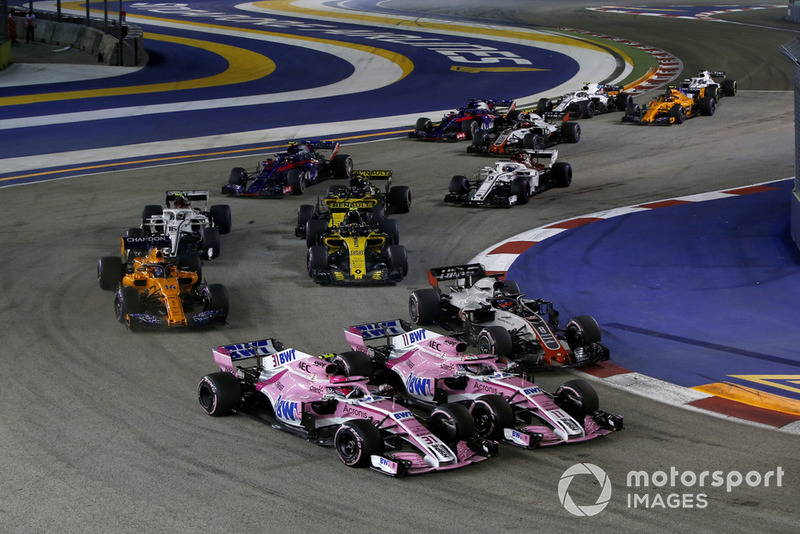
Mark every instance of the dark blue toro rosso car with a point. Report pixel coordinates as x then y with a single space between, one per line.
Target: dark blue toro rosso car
466 122
290 172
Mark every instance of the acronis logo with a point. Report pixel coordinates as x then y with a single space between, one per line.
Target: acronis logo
421 387
286 410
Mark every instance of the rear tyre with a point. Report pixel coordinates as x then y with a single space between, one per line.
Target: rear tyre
219 393
151 210
452 423
530 141
109 272
342 166
354 363
491 414
586 109
623 101
190 261
425 306
356 441
495 340
729 87
544 105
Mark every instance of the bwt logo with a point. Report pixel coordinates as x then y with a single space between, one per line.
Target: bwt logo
401 415
419 386
414 337
285 356
602 500
286 409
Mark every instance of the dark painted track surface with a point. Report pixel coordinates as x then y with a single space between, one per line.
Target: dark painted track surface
692 293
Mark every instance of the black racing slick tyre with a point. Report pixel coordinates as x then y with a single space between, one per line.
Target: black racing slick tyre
317 259
423 125
219 393
221 217
356 441
354 363
190 261
520 188
586 109
209 242
561 173
397 258
126 302
425 306
571 131
729 87
707 106
342 166
582 330
109 272
530 141
315 229
238 176
452 423
151 210
578 398
304 214
391 228
296 179
543 106
623 101
400 198
678 114
217 299
491 414
510 287
495 340
459 185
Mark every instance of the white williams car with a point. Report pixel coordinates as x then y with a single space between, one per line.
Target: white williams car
510 182
591 99
189 229
496 318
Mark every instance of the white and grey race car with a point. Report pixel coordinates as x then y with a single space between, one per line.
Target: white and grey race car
189 229
709 84
510 182
493 315
591 99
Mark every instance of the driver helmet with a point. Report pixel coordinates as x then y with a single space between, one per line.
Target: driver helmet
159 271
357 181
181 201
344 390
352 217
509 167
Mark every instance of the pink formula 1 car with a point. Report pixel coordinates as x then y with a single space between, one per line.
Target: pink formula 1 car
430 369
327 401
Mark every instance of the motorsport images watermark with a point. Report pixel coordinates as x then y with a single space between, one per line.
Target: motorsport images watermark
684 486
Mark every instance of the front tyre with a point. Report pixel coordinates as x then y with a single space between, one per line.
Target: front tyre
356 441
491 413
354 363
109 272
578 398
219 393
452 423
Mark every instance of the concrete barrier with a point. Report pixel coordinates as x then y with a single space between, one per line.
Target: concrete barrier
91 40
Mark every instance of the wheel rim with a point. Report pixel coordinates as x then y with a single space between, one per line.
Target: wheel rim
484 422
485 345
206 398
347 447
